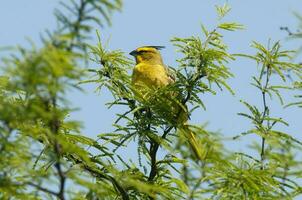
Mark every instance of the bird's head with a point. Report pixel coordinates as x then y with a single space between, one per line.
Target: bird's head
148 54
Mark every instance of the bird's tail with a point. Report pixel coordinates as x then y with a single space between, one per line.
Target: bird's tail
190 136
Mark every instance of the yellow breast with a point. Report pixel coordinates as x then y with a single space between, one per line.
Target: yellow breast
151 76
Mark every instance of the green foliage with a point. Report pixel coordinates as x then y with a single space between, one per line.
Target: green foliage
204 60
43 154
76 19
113 73
297 86
275 144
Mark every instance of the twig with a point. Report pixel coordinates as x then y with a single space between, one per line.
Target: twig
62 180
94 172
284 28
43 189
38 158
55 127
153 151
76 27
265 113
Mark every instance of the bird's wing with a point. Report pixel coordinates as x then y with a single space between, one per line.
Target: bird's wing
171 74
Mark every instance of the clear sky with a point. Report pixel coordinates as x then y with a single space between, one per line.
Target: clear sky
145 22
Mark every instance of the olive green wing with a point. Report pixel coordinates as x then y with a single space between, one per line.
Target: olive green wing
171 74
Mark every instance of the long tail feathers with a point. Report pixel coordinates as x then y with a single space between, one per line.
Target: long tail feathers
196 148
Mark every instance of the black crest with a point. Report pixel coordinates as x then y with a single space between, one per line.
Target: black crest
157 47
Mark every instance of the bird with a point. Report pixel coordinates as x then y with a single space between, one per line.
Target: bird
149 74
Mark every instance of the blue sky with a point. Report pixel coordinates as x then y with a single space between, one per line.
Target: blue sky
155 22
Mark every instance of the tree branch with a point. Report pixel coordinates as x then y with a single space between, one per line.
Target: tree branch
76 28
95 172
43 189
154 146
153 151
265 113
55 127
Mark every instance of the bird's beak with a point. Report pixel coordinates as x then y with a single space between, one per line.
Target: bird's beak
133 53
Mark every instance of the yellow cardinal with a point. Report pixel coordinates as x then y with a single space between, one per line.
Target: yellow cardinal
151 73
